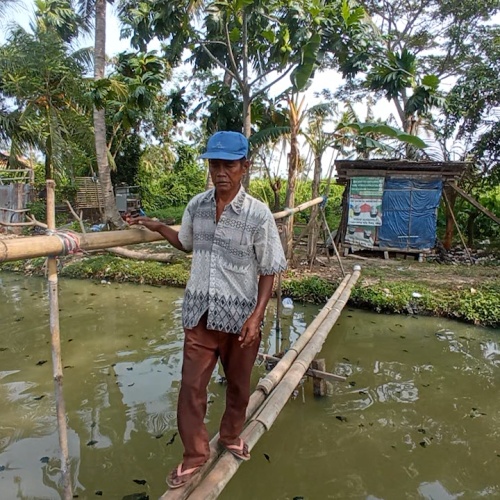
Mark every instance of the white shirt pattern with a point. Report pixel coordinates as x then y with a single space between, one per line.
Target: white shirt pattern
228 256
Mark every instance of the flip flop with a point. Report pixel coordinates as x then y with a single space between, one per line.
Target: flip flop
178 478
239 451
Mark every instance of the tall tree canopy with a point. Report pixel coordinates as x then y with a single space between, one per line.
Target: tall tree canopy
43 90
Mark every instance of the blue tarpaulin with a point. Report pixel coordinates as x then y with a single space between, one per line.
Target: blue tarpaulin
409 213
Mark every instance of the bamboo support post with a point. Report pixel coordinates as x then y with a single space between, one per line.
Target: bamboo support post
319 383
458 227
56 349
215 481
325 223
312 372
278 312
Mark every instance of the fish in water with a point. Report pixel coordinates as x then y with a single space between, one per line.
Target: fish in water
172 439
341 418
92 442
140 481
41 362
268 458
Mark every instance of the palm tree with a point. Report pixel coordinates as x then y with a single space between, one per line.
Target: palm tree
94 11
5 5
45 81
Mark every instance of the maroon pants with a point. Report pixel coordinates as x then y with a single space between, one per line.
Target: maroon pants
202 348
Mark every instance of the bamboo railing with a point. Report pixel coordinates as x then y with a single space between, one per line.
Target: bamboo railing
268 399
53 244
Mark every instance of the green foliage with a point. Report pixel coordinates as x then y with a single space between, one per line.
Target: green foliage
172 215
127 160
479 306
38 209
310 289
167 181
123 270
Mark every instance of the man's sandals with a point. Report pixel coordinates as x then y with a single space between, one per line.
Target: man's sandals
178 478
239 450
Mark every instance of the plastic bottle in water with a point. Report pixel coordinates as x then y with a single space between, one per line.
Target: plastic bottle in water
287 303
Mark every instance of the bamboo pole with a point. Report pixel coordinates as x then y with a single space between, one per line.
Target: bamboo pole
225 468
458 228
56 349
42 246
298 208
268 383
306 355
312 372
325 223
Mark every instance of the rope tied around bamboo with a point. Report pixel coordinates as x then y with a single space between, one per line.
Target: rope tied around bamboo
70 241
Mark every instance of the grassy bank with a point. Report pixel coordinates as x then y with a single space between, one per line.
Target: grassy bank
470 294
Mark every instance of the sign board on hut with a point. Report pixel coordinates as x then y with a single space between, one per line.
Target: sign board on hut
365 210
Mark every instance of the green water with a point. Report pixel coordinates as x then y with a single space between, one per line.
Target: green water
418 417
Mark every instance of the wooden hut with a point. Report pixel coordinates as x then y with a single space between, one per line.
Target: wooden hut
391 205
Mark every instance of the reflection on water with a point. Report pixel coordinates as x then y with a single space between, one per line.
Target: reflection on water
418 416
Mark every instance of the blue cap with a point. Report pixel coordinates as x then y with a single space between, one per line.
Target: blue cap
226 146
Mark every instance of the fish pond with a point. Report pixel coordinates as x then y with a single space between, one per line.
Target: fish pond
417 417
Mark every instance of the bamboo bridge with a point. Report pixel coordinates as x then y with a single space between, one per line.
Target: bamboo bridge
272 392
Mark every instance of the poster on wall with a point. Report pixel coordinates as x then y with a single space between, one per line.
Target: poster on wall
361 236
365 201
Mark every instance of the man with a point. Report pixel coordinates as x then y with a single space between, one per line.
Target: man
236 253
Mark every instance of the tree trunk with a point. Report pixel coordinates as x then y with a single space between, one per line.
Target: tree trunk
312 241
247 101
111 214
470 228
293 164
49 173
276 187
451 195
247 129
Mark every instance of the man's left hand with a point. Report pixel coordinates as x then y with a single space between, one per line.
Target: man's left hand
250 333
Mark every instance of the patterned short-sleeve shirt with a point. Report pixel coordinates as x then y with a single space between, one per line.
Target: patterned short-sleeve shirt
228 256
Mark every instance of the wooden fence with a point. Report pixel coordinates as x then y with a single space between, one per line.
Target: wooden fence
14 199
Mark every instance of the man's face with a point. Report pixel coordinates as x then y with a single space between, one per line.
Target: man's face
227 174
